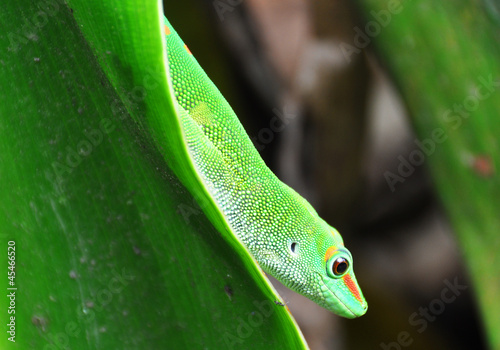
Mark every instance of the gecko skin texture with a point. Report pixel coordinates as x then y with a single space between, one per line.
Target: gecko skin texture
279 227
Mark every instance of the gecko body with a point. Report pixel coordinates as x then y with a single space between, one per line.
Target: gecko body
278 226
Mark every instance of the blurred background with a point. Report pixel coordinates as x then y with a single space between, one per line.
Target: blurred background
322 104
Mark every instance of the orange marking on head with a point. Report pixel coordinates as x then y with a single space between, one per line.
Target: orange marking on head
329 252
352 287
167 30
187 49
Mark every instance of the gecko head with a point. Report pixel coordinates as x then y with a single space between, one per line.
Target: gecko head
340 290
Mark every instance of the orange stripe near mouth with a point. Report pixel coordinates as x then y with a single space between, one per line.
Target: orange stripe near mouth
187 49
352 287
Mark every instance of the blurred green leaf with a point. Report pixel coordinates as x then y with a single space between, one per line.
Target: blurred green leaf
445 59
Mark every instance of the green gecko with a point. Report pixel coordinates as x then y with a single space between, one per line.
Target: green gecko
280 228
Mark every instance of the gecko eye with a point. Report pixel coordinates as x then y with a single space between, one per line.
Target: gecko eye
294 247
340 266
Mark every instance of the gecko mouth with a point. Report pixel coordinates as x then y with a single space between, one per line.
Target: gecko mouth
347 308
349 311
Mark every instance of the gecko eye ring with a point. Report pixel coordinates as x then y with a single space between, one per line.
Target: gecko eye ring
338 265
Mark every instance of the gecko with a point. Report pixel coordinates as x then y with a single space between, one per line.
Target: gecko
282 231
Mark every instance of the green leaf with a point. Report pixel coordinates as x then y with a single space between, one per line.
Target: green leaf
444 57
112 251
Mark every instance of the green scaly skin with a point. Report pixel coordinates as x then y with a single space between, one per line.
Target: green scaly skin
279 227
